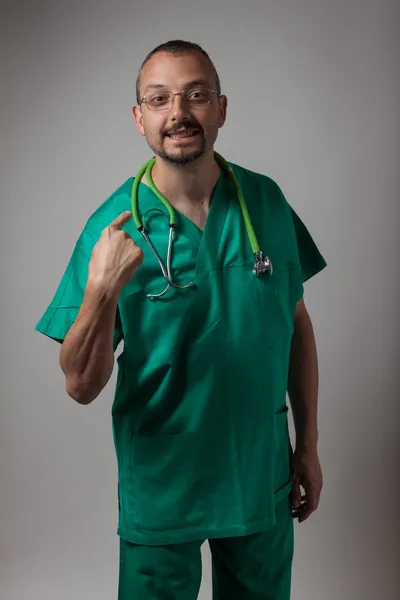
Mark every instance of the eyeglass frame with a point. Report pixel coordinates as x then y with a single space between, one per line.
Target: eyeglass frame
143 98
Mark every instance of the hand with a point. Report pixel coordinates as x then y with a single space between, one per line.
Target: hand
307 474
115 258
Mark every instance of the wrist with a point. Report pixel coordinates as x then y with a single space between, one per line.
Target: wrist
307 441
100 292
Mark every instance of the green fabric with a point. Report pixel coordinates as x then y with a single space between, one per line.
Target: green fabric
254 567
199 415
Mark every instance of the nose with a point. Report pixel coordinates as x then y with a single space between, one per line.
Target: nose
179 108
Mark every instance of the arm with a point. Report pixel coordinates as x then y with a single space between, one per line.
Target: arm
303 396
87 355
303 379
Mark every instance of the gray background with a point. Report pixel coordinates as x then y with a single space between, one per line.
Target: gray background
313 91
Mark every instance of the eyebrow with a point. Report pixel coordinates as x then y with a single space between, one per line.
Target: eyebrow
160 86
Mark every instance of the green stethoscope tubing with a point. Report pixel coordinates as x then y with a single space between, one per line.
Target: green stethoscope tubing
262 263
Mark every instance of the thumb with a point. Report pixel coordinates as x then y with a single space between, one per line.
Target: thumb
121 220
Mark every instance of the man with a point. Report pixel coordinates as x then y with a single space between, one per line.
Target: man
199 415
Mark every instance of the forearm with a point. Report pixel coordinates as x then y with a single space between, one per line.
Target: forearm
87 355
303 382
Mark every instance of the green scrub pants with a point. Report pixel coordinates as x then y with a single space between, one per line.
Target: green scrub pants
252 567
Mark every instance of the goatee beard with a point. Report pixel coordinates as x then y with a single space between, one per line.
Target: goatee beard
181 160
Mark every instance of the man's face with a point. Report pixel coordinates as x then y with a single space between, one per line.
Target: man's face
184 132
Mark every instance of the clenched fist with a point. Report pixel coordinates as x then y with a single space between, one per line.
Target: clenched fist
115 258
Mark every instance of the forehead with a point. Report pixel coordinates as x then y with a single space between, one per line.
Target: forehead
164 69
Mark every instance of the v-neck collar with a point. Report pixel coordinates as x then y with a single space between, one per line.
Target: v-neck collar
208 252
207 240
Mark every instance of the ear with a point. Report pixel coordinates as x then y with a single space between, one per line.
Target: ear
223 104
138 117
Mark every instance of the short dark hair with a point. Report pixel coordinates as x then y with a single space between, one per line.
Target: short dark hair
176 47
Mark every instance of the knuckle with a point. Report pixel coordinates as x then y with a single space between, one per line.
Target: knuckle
139 253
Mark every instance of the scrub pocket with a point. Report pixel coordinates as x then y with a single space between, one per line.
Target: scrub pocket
169 475
283 455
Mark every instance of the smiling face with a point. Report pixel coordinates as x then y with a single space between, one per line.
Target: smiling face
186 130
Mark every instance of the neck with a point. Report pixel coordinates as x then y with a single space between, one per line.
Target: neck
188 185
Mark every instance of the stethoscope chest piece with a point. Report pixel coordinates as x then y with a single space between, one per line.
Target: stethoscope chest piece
262 265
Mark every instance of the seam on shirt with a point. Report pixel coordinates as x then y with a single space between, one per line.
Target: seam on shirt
57 309
58 306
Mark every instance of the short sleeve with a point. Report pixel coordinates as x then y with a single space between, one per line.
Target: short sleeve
64 307
310 258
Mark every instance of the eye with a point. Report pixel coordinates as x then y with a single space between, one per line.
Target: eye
158 99
198 95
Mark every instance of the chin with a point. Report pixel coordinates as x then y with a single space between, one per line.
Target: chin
181 157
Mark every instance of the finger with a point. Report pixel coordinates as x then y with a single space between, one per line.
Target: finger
305 515
299 506
296 512
121 220
296 495
309 507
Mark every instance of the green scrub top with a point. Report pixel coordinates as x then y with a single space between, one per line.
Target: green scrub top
199 414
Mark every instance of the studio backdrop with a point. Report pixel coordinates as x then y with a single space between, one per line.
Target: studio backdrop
313 100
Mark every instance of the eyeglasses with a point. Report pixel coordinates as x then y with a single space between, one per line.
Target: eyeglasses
193 97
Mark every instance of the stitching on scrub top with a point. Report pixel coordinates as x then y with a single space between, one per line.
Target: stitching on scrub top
59 308
248 264
56 307
78 244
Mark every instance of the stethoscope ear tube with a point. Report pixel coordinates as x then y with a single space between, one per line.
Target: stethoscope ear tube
166 271
262 263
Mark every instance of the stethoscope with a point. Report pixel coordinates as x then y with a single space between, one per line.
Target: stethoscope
262 262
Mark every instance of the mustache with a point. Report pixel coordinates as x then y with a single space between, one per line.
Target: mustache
187 126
